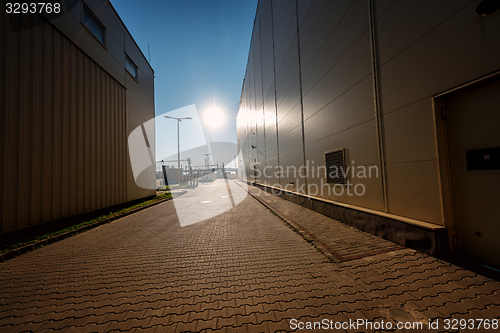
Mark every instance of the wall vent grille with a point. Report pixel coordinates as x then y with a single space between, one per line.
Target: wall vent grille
335 167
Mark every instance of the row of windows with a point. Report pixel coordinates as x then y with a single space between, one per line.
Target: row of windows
97 29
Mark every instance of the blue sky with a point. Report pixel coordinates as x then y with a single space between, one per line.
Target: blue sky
199 51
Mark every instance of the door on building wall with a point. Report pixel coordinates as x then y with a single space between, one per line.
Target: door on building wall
473 126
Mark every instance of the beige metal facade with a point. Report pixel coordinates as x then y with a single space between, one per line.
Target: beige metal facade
366 76
67 107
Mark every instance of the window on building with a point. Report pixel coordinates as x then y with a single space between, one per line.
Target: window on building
131 67
91 22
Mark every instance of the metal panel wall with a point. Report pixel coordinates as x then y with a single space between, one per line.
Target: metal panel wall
63 126
338 99
351 94
269 94
288 94
111 57
425 48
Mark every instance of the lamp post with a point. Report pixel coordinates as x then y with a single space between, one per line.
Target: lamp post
178 147
207 160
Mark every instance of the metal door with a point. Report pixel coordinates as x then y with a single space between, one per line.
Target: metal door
473 126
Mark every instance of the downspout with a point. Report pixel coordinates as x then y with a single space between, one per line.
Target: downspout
275 97
301 101
376 100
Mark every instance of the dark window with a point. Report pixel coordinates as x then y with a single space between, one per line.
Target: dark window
91 22
131 67
335 167
483 159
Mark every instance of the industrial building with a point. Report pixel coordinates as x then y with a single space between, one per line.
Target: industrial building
74 86
409 90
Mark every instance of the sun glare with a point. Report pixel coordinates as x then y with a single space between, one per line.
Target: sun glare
214 118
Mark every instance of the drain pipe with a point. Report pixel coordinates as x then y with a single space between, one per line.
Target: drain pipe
306 181
376 100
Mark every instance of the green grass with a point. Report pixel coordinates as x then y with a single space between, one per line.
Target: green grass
79 225
173 187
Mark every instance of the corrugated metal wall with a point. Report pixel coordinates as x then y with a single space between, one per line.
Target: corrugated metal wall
62 126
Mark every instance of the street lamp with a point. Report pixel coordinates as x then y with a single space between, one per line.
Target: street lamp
178 148
207 160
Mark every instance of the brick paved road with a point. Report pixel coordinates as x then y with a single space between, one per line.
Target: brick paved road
241 271
340 242
207 200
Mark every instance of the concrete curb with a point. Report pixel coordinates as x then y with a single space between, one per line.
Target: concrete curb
33 246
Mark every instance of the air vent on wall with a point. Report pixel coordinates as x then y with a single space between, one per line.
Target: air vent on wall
335 166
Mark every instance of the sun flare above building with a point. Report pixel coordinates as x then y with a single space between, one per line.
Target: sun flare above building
214 118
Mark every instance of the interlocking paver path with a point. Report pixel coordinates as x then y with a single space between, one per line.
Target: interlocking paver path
341 241
241 271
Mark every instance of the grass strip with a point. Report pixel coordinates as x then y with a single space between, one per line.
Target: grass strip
108 217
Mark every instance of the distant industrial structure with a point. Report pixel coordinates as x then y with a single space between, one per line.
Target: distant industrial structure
407 90
74 86
205 162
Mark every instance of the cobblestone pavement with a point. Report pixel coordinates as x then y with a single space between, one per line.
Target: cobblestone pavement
338 241
241 271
